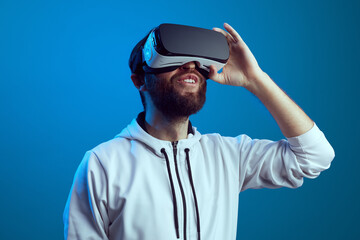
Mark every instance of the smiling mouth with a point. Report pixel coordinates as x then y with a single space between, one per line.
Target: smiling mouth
189 80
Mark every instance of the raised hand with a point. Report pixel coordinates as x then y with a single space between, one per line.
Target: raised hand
242 68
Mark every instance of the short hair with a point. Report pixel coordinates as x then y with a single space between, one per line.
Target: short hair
136 63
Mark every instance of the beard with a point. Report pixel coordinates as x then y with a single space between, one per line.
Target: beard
170 102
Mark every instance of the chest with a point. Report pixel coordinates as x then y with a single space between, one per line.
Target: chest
142 200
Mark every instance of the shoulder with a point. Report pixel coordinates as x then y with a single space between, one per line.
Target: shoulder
218 139
111 146
107 152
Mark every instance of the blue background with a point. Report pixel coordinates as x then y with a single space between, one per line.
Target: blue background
65 87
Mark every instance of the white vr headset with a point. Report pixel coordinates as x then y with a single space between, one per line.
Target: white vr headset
170 46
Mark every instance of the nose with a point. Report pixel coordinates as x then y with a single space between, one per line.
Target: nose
189 65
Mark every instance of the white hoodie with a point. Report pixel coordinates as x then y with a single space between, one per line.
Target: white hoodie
123 189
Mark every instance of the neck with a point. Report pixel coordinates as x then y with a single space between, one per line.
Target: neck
160 127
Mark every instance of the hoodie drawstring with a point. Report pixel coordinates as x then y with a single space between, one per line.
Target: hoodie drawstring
173 193
174 196
193 190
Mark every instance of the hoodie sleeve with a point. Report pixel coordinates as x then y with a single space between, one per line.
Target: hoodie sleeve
268 164
85 214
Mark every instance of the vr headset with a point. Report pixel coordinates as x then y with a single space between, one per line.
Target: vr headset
169 46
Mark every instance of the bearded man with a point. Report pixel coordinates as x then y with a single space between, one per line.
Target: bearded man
161 179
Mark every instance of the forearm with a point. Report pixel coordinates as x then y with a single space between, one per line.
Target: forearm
289 116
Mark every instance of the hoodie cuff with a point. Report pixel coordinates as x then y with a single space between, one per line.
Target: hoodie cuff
307 138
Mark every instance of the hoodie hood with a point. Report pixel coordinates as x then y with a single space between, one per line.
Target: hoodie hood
135 132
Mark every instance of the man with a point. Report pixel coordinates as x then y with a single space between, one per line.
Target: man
161 179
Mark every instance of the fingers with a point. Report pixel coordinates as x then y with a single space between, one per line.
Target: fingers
213 75
226 34
231 34
232 31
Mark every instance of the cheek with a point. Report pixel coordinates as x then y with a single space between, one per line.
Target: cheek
165 75
155 81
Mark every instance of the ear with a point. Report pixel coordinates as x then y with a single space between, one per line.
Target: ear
139 81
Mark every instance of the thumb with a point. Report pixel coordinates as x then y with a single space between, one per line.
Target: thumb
213 75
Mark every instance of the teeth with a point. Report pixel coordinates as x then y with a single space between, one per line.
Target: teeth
189 80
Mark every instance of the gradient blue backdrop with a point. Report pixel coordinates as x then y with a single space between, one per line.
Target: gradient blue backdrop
65 87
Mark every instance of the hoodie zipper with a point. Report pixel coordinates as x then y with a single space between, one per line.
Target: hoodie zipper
174 145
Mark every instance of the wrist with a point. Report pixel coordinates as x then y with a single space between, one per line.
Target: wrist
257 84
